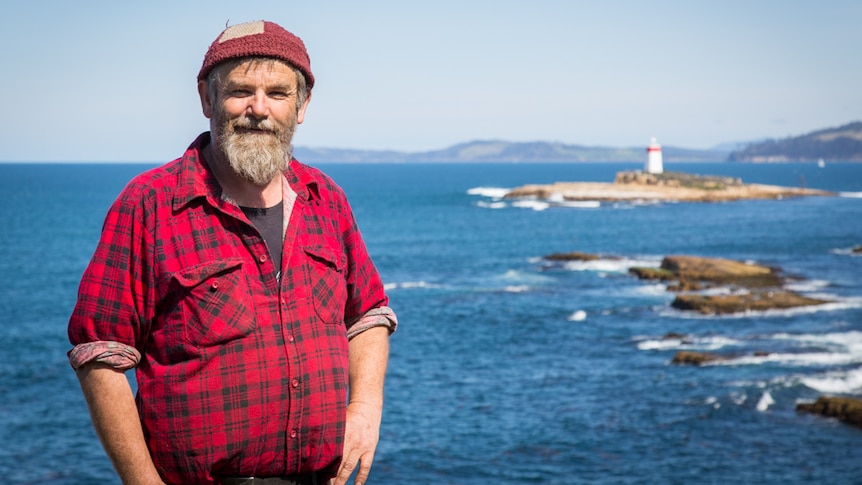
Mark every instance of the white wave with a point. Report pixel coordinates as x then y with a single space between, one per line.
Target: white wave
409 285
846 252
491 205
725 290
658 289
849 382
581 204
492 192
515 277
765 401
716 342
536 205
843 304
738 398
631 204
795 359
611 265
807 286
850 342
578 316
516 289
713 342
663 344
851 195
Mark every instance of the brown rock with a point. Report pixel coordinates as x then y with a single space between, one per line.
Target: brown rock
720 271
646 273
673 336
695 358
685 284
858 249
678 179
845 409
573 256
755 301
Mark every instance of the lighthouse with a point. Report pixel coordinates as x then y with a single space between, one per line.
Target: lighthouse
653 164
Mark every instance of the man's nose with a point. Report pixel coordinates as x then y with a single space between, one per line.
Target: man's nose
258 106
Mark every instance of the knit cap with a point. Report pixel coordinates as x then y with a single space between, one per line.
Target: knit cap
262 39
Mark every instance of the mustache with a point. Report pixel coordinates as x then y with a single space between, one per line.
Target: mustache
254 124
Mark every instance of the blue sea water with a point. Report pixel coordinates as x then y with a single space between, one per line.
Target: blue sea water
506 368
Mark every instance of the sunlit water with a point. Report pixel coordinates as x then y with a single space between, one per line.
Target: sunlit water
506 368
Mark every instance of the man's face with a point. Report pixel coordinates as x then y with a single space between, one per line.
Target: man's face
254 117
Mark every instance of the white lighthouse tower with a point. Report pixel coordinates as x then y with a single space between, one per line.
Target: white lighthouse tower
653 164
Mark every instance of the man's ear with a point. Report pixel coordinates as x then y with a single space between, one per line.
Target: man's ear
204 93
300 113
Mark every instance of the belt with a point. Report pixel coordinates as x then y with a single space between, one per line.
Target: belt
309 479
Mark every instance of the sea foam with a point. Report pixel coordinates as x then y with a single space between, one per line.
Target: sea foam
492 205
536 205
838 382
409 285
492 192
611 265
765 401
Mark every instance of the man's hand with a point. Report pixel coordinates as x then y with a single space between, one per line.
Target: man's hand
369 353
360 441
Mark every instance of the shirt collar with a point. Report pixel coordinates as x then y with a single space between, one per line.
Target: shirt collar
195 180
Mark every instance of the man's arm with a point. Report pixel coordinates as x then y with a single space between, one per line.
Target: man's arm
369 355
115 417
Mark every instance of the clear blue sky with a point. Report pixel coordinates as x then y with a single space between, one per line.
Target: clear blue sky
115 81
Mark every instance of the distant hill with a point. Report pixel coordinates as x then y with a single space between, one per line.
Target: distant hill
843 143
502 151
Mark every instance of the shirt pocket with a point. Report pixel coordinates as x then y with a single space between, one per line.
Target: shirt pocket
215 302
325 275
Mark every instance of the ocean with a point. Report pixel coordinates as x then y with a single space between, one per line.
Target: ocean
506 368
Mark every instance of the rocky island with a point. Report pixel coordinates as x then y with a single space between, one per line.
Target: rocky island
750 287
666 186
753 287
846 409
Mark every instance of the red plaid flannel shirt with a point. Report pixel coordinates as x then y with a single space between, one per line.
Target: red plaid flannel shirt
241 373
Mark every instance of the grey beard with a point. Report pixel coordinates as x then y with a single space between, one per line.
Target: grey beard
257 158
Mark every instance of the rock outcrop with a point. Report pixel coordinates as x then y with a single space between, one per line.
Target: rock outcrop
755 287
698 272
858 249
684 357
572 256
846 409
738 303
633 186
677 179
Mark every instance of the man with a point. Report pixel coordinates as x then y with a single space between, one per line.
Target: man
235 281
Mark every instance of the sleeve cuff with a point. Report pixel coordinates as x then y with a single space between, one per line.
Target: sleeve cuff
376 317
119 356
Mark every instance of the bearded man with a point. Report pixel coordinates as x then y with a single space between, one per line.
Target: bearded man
235 282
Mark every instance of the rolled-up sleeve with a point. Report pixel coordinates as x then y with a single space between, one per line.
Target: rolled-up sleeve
376 317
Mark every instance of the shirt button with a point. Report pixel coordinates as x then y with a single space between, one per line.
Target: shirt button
290 338
262 258
294 383
214 286
293 433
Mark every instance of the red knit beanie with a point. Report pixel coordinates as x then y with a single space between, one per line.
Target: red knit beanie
260 38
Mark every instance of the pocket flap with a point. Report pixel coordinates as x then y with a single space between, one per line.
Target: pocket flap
194 275
325 255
